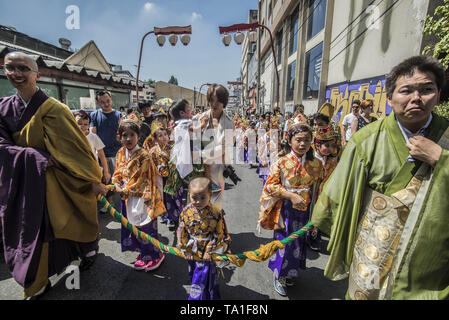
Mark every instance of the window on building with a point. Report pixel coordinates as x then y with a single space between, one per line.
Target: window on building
316 16
291 71
294 23
279 47
313 72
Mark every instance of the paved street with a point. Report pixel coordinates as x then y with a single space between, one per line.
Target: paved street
112 277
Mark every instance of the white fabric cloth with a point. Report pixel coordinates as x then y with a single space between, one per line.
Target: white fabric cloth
347 121
408 134
136 209
181 150
214 150
262 149
95 143
251 135
23 100
239 146
128 153
323 159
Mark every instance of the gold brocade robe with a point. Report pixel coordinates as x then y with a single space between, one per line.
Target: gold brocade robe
72 206
287 174
137 177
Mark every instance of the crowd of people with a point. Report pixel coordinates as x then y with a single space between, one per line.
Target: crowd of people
366 184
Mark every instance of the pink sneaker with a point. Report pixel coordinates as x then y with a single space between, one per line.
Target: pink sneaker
139 264
154 264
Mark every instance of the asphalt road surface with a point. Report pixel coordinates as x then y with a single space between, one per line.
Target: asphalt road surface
113 277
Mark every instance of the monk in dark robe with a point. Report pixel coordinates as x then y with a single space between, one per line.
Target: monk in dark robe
49 180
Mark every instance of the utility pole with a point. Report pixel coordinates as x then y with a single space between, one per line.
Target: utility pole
194 98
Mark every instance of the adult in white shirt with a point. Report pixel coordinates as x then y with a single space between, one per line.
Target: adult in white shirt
219 124
347 121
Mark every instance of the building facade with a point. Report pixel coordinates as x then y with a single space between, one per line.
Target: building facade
175 92
71 77
249 70
335 50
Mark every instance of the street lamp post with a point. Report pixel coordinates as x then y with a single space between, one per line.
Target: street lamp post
251 27
199 93
160 33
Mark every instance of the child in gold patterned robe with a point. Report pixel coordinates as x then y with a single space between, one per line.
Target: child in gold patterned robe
134 178
285 203
202 231
160 154
324 140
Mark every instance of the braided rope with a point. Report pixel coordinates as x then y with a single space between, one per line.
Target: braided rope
259 255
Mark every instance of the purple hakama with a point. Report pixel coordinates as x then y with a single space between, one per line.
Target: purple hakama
288 261
24 216
204 277
173 204
131 243
263 173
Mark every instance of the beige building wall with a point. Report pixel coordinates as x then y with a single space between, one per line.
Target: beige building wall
370 48
361 40
174 92
367 41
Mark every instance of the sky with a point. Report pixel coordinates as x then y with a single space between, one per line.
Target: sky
117 28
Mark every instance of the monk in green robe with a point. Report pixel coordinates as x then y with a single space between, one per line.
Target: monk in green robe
386 206
49 180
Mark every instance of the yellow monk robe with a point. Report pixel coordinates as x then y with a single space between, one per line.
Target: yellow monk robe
72 206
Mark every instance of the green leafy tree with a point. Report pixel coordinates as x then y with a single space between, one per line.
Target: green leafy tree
442 109
438 27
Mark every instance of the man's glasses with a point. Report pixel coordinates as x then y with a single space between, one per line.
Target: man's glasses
23 69
102 93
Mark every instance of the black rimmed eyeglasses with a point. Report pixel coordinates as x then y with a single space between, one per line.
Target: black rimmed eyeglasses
22 68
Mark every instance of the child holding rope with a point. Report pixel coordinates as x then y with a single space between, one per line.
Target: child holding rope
286 203
134 178
324 142
160 154
202 231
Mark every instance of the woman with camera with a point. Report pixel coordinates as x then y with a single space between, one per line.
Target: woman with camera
219 129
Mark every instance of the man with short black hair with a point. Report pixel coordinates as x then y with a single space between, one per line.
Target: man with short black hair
105 122
385 206
347 121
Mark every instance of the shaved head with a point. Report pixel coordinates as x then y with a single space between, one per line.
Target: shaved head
30 62
200 192
23 73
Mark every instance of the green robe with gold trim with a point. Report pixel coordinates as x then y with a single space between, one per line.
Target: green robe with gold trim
375 158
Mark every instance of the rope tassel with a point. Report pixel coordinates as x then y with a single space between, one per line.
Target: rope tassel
263 253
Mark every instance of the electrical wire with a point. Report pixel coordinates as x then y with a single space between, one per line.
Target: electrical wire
364 31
